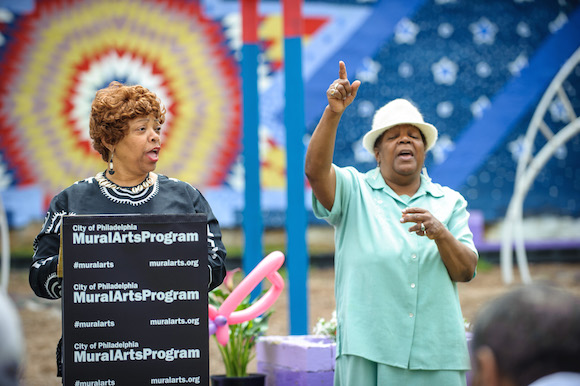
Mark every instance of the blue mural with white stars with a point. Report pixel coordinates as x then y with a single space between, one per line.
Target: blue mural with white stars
476 70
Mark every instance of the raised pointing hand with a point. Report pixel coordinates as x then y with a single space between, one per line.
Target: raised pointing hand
341 92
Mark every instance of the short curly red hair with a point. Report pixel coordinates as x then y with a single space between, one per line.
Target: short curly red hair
112 109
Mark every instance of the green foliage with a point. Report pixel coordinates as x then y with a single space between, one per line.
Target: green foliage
239 350
484 265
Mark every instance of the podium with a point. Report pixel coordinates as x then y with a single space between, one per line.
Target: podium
134 303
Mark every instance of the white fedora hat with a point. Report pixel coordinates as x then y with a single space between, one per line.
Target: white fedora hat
398 112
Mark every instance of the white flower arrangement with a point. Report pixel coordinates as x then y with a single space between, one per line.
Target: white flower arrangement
326 328
467 325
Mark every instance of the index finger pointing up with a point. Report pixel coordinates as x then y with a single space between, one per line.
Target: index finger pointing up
342 70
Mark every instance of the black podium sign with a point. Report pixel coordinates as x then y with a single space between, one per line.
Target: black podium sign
135 300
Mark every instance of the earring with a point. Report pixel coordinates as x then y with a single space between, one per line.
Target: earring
111 171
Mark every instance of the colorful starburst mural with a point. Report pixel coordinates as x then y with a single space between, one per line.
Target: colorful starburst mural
467 65
57 57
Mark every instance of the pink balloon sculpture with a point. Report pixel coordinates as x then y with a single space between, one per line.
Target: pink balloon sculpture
220 319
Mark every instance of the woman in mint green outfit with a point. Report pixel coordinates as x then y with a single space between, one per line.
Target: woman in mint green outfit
402 244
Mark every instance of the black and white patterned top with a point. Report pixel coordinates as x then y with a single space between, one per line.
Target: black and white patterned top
165 196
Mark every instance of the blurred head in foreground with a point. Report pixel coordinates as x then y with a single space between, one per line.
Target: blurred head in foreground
11 343
530 335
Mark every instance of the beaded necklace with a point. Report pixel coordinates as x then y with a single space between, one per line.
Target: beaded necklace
105 182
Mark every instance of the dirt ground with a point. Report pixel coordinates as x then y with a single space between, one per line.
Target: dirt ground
41 319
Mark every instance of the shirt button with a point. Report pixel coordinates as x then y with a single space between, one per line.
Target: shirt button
410 315
413 256
412 285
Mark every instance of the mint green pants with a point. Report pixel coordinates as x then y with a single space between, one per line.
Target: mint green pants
353 370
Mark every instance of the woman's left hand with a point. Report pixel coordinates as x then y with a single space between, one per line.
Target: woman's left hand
426 223
459 259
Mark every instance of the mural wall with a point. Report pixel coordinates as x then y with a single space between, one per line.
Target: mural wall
476 69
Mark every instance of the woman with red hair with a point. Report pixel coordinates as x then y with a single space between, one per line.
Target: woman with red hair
125 127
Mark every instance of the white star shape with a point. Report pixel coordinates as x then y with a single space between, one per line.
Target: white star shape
442 148
369 71
444 71
523 29
483 69
406 31
366 109
516 148
483 31
445 30
558 22
479 106
518 64
445 109
405 70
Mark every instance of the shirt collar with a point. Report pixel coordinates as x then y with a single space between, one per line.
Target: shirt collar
376 181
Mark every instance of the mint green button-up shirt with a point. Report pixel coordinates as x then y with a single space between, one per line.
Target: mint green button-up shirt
395 301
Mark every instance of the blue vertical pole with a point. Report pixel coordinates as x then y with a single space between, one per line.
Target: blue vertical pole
297 256
252 221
